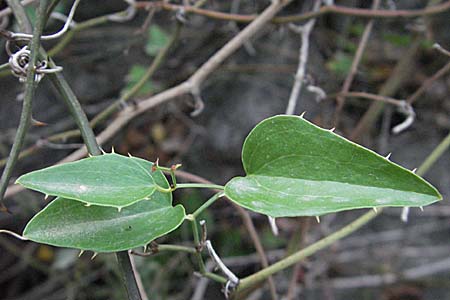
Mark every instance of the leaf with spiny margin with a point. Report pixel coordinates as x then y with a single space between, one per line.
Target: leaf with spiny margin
71 224
105 180
295 168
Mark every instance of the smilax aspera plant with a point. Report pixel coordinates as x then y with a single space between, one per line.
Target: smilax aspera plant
112 203
115 203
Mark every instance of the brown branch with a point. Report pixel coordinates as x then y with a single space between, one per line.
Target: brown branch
348 11
369 96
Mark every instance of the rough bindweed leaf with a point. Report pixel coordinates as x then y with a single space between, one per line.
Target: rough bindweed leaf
295 168
71 224
106 180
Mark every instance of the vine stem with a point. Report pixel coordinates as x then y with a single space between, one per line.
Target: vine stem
208 204
200 185
198 252
128 277
298 256
88 135
25 117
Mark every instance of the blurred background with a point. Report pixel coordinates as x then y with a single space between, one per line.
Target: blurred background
388 259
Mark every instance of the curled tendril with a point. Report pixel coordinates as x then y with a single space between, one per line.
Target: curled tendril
19 64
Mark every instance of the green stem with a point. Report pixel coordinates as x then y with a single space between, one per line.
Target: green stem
83 125
200 185
127 273
207 204
298 256
178 248
198 252
30 88
198 246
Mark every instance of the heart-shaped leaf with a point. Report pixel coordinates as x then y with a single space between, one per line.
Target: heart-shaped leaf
105 180
295 168
71 224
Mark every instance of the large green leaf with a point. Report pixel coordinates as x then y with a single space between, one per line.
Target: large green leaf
295 168
68 223
105 180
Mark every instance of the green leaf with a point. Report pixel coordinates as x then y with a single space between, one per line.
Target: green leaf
295 168
105 180
157 39
71 224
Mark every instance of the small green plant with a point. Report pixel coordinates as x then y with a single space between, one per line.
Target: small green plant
111 203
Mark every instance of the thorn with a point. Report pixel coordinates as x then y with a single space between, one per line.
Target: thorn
333 129
389 155
81 253
94 255
103 151
112 150
129 155
87 204
318 219
90 155
421 208
414 170
375 209
303 114
119 208
145 248
38 123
